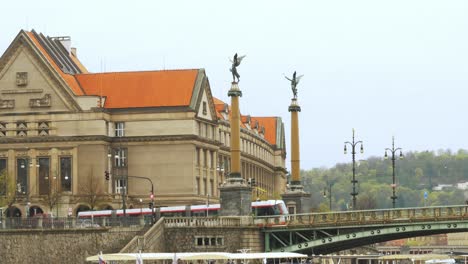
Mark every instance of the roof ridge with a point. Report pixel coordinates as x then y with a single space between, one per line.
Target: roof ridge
144 71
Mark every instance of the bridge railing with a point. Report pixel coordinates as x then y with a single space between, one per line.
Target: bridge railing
380 216
206 221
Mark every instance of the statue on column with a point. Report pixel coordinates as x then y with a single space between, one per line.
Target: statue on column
294 82
236 62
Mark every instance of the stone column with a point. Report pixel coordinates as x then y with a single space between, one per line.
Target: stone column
236 195
295 198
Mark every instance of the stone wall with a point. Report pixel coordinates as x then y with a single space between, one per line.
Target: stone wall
73 246
183 239
59 246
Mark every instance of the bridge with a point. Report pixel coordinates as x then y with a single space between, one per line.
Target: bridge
324 233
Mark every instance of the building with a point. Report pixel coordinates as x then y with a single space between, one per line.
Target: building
71 140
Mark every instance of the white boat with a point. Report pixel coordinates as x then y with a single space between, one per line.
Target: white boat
193 256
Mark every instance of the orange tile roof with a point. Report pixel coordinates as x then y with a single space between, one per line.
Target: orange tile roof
220 107
69 79
269 123
141 89
270 127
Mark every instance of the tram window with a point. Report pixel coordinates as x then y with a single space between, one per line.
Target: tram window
262 211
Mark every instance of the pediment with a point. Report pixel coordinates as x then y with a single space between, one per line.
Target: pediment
28 82
205 108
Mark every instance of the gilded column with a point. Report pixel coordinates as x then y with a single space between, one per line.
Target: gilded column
235 194
294 108
235 93
296 199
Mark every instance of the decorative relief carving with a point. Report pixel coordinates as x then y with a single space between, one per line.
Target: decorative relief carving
21 78
40 102
7 104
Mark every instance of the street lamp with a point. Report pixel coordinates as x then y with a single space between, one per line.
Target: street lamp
328 189
393 150
353 145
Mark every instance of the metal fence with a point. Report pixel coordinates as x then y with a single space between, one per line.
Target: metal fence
72 223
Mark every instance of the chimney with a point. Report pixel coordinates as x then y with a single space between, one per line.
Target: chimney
73 52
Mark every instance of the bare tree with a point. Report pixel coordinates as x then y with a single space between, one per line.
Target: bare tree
92 193
53 195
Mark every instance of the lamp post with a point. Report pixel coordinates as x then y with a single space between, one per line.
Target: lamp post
328 188
353 145
393 150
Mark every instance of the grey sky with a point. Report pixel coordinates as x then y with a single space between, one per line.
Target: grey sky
383 67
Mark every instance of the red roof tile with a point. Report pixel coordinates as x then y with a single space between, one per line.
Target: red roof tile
141 89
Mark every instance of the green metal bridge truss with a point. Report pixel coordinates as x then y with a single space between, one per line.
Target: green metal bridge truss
324 233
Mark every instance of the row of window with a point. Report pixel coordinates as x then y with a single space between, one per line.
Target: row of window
61 182
209 241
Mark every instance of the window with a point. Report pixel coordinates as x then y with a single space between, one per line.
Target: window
119 129
44 175
205 111
120 186
197 150
209 241
22 166
120 158
3 179
65 173
205 159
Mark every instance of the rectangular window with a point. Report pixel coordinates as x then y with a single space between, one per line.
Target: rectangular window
197 150
3 176
205 159
120 157
120 186
119 129
205 111
22 166
44 175
205 187
65 173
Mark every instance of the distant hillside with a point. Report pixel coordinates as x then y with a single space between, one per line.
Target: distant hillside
416 173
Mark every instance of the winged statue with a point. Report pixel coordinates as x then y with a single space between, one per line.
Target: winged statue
235 63
294 82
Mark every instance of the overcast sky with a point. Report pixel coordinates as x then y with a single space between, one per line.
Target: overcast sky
382 67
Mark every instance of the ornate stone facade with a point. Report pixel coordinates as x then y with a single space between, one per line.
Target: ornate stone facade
62 128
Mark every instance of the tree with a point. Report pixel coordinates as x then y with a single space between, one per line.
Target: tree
8 193
92 193
53 195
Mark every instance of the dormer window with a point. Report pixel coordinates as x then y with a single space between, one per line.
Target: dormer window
119 129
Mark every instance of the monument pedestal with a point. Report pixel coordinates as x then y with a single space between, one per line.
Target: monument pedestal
297 201
236 197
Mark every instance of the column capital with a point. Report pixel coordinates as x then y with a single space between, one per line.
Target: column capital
235 91
294 107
